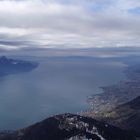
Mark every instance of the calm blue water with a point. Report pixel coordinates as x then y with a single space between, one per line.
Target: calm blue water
56 86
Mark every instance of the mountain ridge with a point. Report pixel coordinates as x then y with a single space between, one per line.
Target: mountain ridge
69 127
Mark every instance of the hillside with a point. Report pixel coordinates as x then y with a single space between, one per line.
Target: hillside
126 116
68 127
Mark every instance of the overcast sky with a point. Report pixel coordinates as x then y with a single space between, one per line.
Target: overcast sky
69 23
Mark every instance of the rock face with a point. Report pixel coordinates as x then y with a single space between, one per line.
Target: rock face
69 127
11 66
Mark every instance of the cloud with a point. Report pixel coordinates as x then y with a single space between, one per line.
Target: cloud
69 23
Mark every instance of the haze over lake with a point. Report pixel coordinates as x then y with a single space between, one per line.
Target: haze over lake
57 85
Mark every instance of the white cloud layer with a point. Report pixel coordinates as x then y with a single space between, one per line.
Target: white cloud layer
69 23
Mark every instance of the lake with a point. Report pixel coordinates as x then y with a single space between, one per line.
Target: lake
58 85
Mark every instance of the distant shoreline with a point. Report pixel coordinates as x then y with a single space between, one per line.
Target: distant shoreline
115 95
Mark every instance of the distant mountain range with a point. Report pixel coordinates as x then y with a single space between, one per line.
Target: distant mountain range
12 66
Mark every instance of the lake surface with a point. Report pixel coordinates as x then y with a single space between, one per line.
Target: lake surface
58 85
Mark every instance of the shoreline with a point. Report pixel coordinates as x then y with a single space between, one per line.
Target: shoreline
115 95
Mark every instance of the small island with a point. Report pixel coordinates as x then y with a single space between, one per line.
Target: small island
12 66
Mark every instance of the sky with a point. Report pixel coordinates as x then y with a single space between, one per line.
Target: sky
69 23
